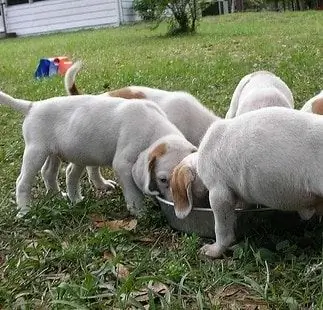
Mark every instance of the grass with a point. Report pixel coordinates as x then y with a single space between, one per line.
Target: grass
60 258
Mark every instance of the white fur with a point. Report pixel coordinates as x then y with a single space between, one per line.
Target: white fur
255 91
307 107
95 131
258 158
181 108
259 90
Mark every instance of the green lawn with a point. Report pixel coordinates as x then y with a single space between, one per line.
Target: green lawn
60 259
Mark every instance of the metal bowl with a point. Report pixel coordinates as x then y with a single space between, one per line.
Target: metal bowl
201 220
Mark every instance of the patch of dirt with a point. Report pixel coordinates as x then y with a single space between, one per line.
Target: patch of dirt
235 296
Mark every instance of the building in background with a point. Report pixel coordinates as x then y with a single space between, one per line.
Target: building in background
29 17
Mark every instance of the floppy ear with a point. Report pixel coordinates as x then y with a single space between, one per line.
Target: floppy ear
181 187
317 106
144 167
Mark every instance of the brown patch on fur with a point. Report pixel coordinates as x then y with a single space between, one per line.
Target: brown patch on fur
317 106
73 90
181 179
127 93
157 152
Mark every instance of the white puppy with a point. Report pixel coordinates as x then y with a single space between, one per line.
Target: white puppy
259 90
255 91
315 104
99 131
181 108
258 158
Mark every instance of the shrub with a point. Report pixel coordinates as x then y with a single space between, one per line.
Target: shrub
182 15
147 9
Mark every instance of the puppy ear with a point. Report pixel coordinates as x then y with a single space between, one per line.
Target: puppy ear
144 168
181 187
317 106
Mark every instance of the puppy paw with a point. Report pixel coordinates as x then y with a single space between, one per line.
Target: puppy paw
22 212
212 250
78 199
75 200
64 195
106 185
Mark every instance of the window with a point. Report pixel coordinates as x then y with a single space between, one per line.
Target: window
14 2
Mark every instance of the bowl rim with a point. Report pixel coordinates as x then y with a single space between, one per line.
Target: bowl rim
257 209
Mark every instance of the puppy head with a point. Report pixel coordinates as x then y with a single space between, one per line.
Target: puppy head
186 186
317 106
154 166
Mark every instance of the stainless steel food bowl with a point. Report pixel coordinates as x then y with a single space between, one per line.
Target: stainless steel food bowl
201 220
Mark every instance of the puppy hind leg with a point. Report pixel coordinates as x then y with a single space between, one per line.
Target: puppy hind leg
96 178
133 196
33 159
222 203
73 187
49 172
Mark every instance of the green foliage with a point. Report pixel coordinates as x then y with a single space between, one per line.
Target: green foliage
182 15
148 10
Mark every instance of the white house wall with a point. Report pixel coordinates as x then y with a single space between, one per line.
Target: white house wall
128 13
59 15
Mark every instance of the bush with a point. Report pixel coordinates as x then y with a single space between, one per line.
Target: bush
147 9
182 15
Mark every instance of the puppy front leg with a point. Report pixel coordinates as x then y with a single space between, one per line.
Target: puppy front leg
222 203
133 196
49 172
98 181
73 187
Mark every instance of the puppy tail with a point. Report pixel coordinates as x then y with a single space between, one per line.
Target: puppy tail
18 104
234 104
70 76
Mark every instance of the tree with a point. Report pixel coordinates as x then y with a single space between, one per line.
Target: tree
182 15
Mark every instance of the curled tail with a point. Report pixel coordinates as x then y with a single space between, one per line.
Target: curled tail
18 104
70 76
236 96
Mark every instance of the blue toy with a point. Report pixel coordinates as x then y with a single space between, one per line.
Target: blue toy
46 67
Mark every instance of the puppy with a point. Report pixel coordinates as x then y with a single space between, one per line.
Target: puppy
315 104
255 91
258 158
181 108
259 90
99 131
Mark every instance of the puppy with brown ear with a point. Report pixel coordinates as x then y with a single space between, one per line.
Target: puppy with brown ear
258 158
255 91
314 105
99 131
181 108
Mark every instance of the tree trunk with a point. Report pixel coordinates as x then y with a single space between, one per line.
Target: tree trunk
232 5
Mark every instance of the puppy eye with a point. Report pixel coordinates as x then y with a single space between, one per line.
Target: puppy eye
163 180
